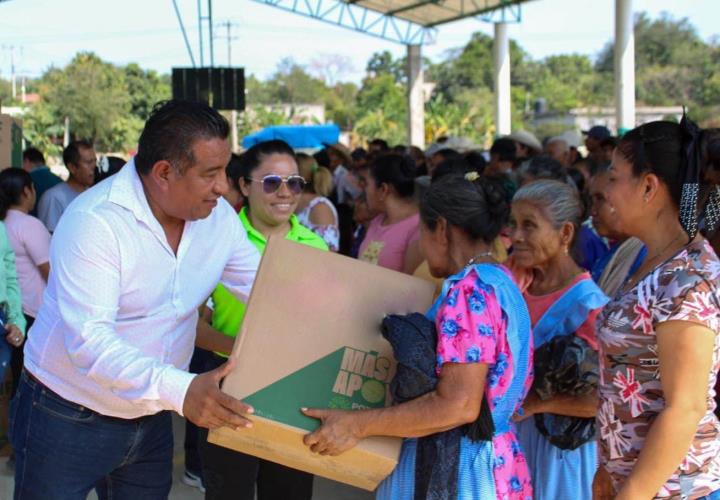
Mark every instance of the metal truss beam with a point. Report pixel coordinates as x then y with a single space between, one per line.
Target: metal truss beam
510 13
507 11
359 19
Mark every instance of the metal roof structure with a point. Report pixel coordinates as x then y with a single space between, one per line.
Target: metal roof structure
409 22
430 13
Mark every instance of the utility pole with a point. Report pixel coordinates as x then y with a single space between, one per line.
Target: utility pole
13 69
233 113
229 38
12 72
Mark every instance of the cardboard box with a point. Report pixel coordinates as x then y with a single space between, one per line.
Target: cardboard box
311 338
10 142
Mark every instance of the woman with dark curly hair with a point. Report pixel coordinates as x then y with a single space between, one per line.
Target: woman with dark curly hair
659 343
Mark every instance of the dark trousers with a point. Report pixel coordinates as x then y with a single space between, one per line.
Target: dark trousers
63 450
199 363
16 362
229 475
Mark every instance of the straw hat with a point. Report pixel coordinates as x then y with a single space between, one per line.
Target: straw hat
343 151
526 139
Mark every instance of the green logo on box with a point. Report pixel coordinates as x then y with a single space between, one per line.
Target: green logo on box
346 379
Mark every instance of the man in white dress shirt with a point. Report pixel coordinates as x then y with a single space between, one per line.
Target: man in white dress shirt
106 360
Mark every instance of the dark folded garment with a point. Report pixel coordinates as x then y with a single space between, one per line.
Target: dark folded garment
414 341
565 365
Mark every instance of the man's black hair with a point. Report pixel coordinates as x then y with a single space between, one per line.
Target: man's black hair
34 155
71 153
171 131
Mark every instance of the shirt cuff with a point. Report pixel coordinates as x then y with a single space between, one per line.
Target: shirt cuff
173 387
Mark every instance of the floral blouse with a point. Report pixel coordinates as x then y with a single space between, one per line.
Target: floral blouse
631 396
472 328
330 233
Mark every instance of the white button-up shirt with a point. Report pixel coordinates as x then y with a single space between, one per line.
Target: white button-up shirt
116 330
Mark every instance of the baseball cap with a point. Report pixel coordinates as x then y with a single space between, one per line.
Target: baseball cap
598 132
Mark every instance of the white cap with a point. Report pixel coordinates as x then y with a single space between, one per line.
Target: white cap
572 138
527 139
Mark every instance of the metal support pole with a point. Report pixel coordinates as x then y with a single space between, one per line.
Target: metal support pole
184 33
66 133
211 34
200 33
501 53
624 65
228 25
234 131
416 99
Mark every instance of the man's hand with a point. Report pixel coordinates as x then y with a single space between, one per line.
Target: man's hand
338 433
207 406
14 337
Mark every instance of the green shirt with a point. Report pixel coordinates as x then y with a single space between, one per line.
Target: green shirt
229 312
9 287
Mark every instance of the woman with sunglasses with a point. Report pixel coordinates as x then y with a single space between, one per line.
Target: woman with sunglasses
268 179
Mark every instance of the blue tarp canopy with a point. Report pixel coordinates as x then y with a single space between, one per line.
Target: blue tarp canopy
297 136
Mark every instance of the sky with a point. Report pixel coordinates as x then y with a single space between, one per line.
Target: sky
47 33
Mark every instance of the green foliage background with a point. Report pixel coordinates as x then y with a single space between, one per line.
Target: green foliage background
108 103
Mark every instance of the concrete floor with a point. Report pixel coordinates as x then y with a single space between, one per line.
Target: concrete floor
324 489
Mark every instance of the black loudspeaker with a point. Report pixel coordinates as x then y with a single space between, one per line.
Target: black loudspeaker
221 88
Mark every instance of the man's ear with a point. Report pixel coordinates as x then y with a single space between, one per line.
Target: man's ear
161 173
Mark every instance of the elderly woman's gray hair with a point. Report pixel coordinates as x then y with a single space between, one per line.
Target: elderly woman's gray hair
559 201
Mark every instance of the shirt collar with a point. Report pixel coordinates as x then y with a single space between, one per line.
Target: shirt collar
127 191
293 234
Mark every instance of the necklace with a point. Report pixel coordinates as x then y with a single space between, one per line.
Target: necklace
633 280
474 259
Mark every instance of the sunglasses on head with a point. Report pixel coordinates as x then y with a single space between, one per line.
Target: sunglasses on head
271 183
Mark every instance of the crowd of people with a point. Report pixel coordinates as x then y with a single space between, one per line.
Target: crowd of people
576 320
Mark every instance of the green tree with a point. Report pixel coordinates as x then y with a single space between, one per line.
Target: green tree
42 129
292 84
340 104
472 67
383 63
565 82
673 65
664 41
145 88
92 93
5 91
258 117
382 99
